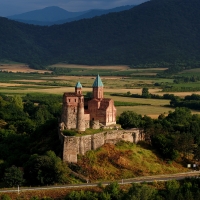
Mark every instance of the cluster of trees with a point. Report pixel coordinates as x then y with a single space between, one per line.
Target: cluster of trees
189 101
29 142
180 89
173 135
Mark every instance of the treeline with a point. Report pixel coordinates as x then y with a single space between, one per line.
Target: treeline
180 89
145 94
189 101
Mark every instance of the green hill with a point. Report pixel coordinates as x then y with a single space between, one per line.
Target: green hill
155 31
124 160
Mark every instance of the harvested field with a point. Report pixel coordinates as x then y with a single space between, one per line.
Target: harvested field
20 68
190 70
9 84
151 110
118 67
146 74
30 81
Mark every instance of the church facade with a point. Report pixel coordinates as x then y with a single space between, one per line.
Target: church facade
81 113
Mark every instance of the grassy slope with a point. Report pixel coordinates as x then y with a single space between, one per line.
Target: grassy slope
124 160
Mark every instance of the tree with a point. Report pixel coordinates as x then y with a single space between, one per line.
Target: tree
172 187
13 176
140 192
17 100
45 169
130 119
114 190
42 114
82 195
145 92
165 146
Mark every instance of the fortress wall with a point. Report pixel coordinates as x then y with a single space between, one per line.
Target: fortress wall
98 140
70 149
116 136
85 144
72 145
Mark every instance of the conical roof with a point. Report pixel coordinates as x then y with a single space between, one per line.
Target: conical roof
97 82
78 85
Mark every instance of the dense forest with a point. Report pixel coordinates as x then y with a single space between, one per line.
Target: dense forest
158 31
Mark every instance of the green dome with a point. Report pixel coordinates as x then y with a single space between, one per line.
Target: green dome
78 85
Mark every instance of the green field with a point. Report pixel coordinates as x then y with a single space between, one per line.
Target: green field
116 79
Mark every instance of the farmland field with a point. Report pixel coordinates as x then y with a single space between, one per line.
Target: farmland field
19 79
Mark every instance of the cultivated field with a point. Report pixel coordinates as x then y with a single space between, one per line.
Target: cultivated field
22 68
20 79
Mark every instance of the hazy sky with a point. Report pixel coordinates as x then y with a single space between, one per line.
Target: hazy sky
11 7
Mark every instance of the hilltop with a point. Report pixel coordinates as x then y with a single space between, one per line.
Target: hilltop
124 160
157 31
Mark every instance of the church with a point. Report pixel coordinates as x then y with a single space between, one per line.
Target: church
80 113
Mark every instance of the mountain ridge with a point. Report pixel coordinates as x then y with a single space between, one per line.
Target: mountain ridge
45 17
166 31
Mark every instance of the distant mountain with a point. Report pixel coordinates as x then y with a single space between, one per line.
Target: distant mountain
94 13
157 31
55 15
48 14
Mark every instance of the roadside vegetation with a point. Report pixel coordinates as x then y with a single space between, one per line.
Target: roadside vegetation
187 189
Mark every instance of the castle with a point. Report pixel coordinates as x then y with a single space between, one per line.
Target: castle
80 113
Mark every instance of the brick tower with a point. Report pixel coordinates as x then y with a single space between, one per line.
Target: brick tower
73 109
98 88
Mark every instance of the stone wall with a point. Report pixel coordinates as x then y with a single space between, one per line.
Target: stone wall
72 145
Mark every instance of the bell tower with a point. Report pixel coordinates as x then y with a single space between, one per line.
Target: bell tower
78 88
98 88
